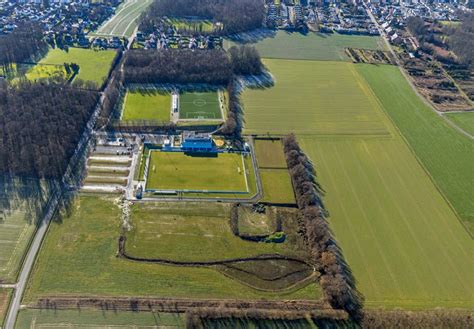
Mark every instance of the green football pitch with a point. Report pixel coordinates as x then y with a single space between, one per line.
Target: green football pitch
199 106
180 171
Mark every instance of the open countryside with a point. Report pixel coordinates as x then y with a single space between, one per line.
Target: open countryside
236 164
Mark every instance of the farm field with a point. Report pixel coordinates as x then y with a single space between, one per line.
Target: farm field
125 20
393 225
94 65
445 153
182 171
277 187
5 296
404 244
194 105
463 120
146 105
31 318
313 98
15 233
21 202
314 46
190 232
83 248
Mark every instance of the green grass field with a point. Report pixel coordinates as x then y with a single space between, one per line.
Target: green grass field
39 72
125 20
146 105
191 232
83 249
192 25
314 46
277 187
21 202
463 120
179 171
94 65
403 242
313 98
199 106
15 233
84 318
447 155
5 296
270 153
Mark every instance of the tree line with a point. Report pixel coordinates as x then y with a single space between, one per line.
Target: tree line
336 279
24 44
235 15
40 126
461 39
182 66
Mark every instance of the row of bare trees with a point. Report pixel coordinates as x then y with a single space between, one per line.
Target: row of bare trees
336 279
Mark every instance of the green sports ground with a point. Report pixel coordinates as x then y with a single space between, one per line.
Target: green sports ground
199 105
196 172
146 105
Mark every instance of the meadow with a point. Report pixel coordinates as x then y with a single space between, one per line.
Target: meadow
276 181
463 120
83 249
94 65
314 46
269 153
447 155
194 105
125 20
16 230
190 232
39 72
277 187
146 105
84 318
313 98
181 171
5 296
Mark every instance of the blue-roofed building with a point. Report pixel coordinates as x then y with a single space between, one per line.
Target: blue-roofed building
193 142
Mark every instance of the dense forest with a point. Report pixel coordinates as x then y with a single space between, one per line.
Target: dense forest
23 45
211 66
235 15
40 126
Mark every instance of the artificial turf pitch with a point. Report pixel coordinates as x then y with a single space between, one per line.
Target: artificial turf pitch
195 105
196 172
146 105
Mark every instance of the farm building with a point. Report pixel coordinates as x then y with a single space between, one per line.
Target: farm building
193 142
